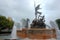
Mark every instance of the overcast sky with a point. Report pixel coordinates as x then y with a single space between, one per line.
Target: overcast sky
19 9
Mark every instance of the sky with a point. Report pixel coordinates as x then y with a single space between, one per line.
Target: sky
18 9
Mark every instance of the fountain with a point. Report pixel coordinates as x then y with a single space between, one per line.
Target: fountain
13 34
37 29
55 26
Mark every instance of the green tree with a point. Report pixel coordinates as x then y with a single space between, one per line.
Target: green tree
58 22
5 23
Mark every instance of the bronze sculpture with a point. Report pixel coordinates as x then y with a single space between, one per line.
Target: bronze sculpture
38 22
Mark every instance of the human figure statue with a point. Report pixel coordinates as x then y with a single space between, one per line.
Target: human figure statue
27 23
36 11
38 22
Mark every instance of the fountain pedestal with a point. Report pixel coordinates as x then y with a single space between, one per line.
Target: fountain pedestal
37 33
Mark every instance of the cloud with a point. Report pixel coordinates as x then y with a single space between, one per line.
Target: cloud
18 9
51 10
51 4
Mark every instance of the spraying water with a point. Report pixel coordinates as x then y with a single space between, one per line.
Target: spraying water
13 34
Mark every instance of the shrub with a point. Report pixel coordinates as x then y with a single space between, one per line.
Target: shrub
5 23
58 22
